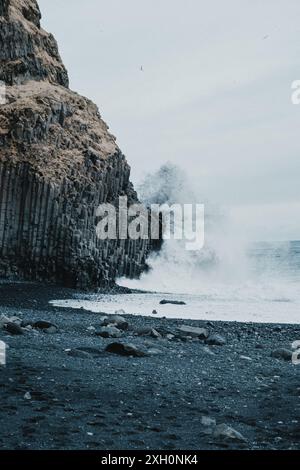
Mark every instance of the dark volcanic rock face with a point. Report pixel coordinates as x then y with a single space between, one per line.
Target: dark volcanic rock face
58 162
26 50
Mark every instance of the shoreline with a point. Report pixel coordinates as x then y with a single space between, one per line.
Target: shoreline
83 397
189 307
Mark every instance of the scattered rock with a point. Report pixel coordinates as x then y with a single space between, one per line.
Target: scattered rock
125 350
172 302
13 329
193 331
282 353
148 332
216 340
46 327
91 328
227 433
154 312
51 330
207 421
109 332
16 320
155 333
4 320
169 336
115 320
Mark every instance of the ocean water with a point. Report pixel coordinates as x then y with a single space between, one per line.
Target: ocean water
260 284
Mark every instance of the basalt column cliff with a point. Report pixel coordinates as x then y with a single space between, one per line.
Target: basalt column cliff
58 162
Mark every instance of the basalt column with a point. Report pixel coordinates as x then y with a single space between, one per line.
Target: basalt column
58 162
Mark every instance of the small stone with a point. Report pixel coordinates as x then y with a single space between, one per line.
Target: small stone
216 340
172 302
109 332
125 350
15 319
115 320
227 433
51 330
193 331
155 333
14 329
91 328
45 326
282 353
154 312
207 421
170 336
4 320
148 332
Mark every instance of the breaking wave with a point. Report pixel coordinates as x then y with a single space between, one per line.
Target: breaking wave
175 269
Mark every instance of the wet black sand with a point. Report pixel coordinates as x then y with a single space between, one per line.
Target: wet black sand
106 401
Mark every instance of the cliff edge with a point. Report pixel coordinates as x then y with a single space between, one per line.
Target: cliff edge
58 162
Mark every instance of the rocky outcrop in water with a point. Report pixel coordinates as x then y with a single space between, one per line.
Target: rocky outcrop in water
58 162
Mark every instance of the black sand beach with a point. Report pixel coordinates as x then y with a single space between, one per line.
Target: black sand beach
62 389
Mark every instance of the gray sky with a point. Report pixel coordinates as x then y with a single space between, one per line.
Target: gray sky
214 95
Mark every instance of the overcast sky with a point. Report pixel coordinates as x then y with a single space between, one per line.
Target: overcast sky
214 95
